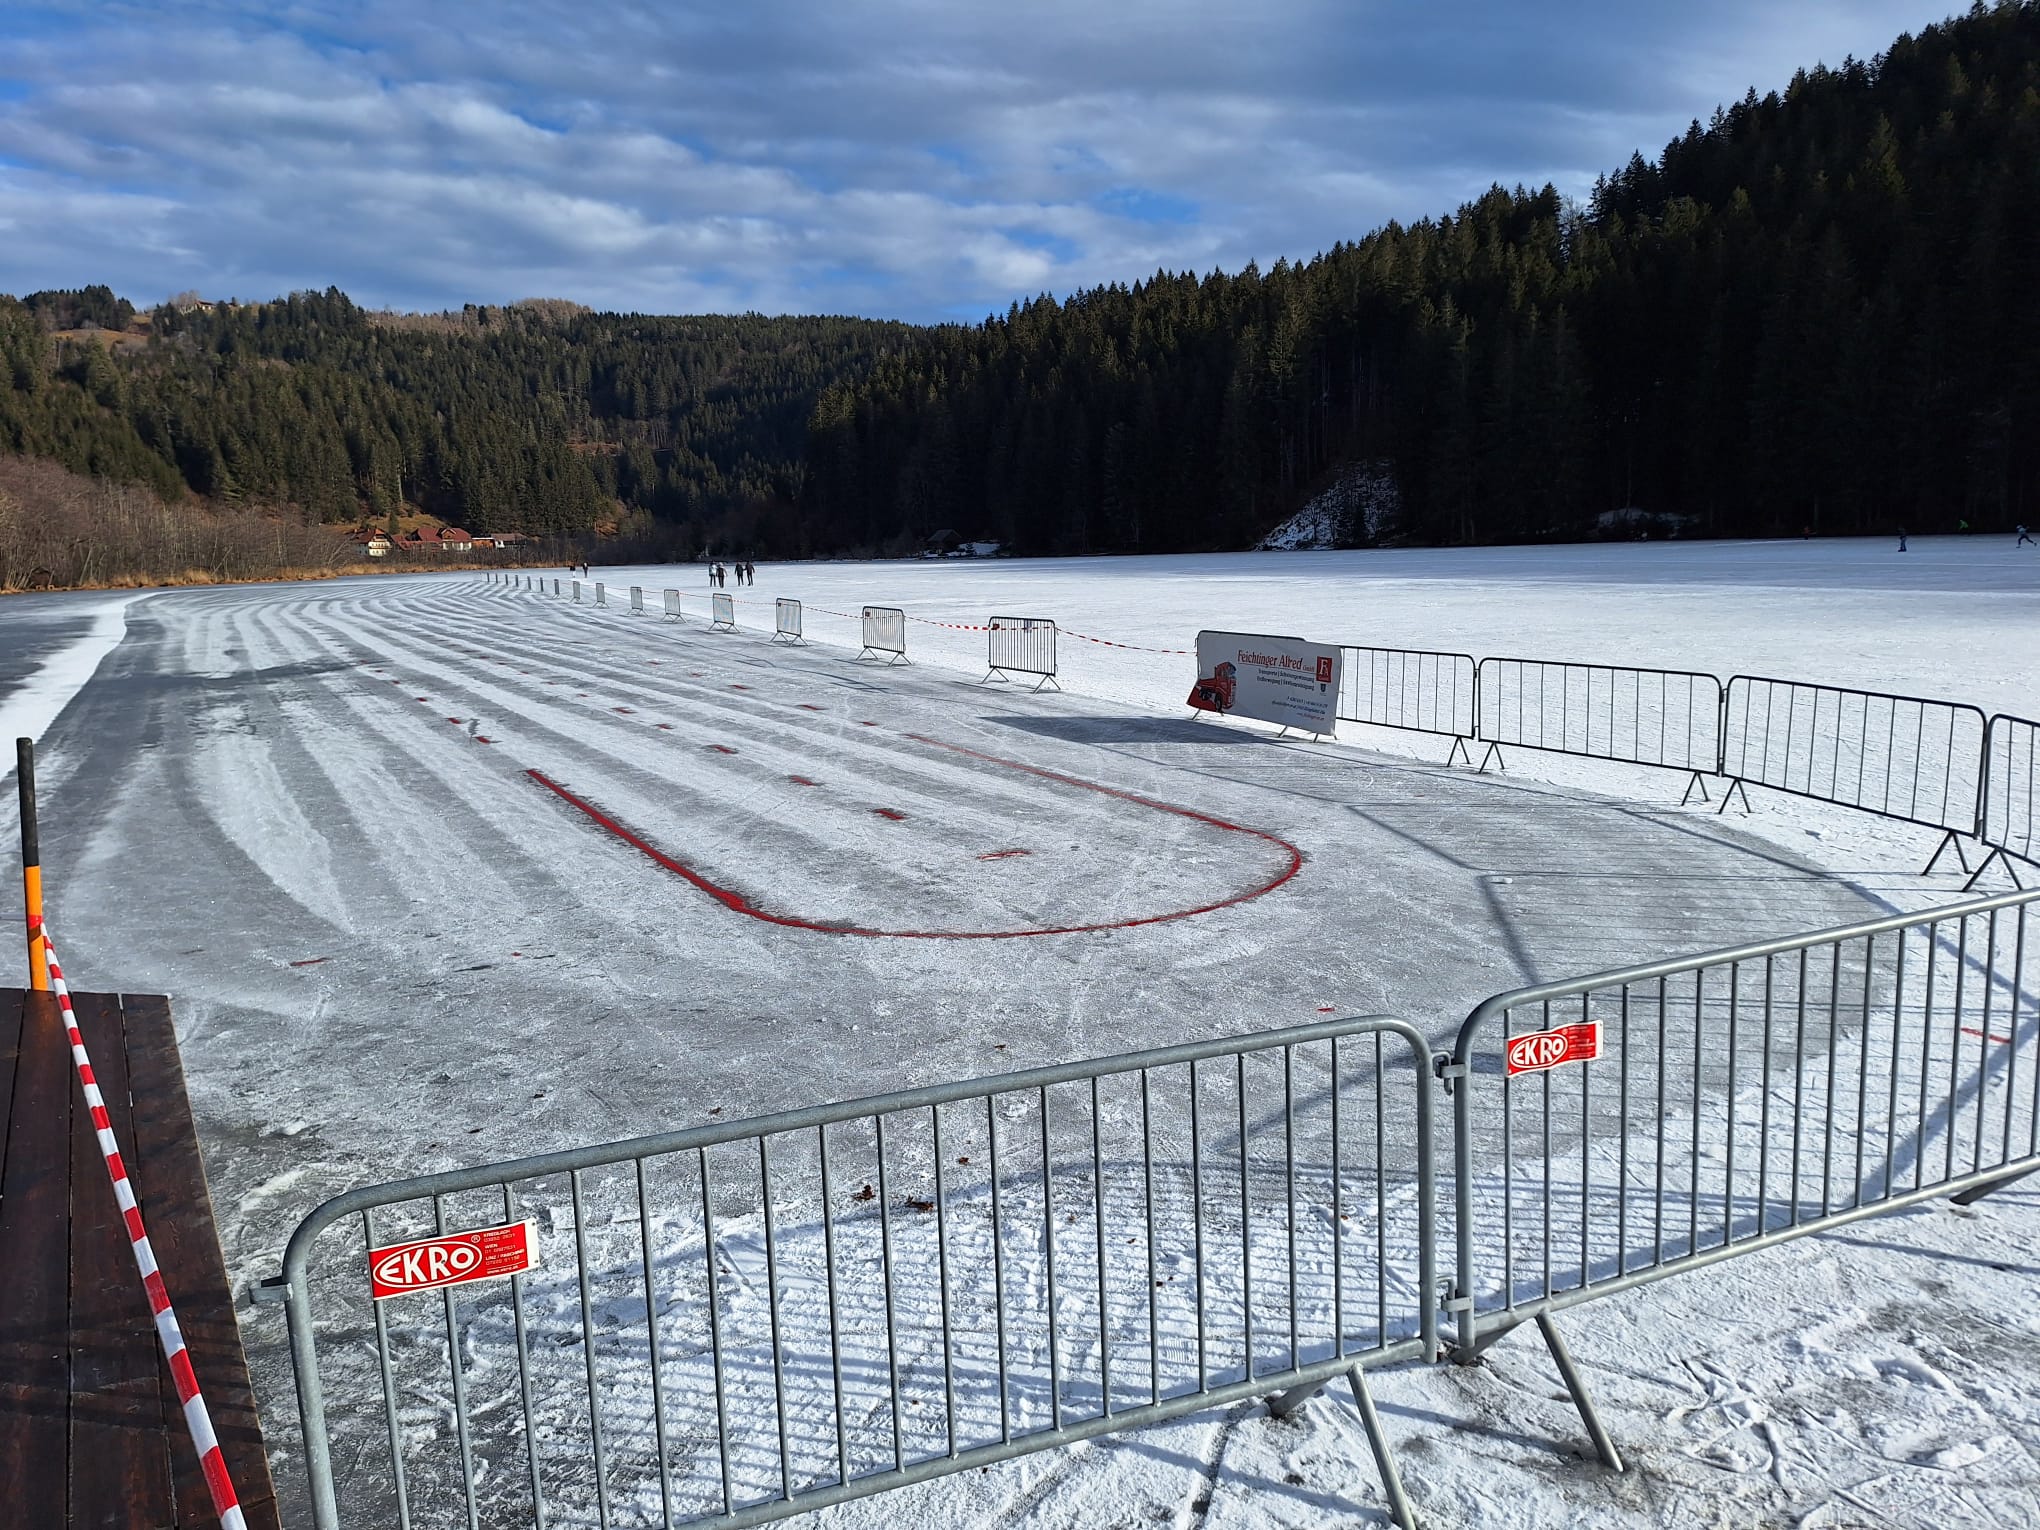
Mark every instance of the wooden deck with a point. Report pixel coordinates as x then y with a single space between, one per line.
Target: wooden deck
90 1431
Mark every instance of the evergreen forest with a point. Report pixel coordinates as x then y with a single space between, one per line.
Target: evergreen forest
1819 309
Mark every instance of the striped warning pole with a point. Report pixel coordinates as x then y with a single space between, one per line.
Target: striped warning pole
196 1418
31 864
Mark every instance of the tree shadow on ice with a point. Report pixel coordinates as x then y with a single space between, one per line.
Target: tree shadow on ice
1128 730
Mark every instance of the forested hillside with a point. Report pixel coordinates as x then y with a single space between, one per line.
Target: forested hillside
540 417
1819 309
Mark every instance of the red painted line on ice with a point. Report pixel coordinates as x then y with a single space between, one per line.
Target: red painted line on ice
894 815
1970 1030
809 706
802 781
312 961
737 903
1002 855
722 748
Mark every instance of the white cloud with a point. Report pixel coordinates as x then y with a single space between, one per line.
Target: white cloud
906 157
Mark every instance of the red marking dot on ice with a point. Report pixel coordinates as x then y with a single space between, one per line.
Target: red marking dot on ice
667 726
809 706
802 781
863 724
627 711
1000 855
312 961
1325 1009
896 817
454 720
482 740
722 748
740 687
424 698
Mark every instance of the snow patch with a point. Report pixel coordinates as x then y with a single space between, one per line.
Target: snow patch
1359 504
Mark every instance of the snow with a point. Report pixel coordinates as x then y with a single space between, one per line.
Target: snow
390 952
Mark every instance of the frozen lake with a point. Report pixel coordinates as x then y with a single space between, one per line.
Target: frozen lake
306 812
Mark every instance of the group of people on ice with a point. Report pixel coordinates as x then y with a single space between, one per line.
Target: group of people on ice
746 573
2025 537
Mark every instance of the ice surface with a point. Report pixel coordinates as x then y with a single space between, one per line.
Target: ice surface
392 952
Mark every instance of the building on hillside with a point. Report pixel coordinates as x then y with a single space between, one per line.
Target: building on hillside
375 543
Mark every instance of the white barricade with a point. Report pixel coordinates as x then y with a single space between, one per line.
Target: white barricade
1022 645
885 634
601 596
723 618
637 601
786 622
577 592
673 605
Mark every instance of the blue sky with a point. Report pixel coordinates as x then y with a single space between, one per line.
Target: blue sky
918 159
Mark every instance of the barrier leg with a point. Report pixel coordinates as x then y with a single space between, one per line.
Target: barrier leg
1283 1404
1687 796
1458 752
1384 1460
2011 869
1735 788
1947 839
1582 1400
1976 1193
1494 752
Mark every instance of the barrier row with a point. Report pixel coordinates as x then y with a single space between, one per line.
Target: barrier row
1940 764
746 1321
1015 645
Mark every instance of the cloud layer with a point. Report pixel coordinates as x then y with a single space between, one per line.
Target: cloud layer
917 159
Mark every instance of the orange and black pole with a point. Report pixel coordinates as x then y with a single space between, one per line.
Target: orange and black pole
31 865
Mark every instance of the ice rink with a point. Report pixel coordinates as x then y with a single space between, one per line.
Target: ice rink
439 872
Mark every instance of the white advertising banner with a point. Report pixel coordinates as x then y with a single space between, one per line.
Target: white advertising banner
1275 679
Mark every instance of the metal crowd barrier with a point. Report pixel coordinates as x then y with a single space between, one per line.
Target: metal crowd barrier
601 596
1665 717
577 592
1412 689
1020 645
1906 757
884 634
2009 818
672 598
722 612
742 1322
1614 1129
786 622
637 601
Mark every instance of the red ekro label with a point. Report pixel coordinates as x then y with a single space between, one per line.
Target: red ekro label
1549 1049
452 1259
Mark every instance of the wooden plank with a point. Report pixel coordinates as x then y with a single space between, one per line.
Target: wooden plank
120 1453
35 1201
177 1207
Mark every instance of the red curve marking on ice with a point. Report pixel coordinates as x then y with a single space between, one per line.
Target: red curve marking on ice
736 687
737 903
1970 1030
1002 855
802 781
667 726
627 711
722 748
893 814
809 706
480 739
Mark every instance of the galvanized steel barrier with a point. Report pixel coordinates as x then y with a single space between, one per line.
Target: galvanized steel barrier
2009 815
672 599
601 596
741 1322
577 592
786 622
1020 645
1906 757
722 609
1412 689
1614 1129
1664 717
884 634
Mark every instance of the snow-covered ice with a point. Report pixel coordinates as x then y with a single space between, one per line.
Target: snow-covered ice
391 951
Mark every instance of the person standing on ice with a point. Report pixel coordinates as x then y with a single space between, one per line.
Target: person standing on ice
2024 539
1901 539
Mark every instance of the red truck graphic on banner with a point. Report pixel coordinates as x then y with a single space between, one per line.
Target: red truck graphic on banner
1550 1049
1214 693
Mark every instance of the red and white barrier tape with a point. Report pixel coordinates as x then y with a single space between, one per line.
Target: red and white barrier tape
196 1418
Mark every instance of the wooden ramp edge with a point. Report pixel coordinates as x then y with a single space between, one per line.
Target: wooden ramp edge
91 1434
